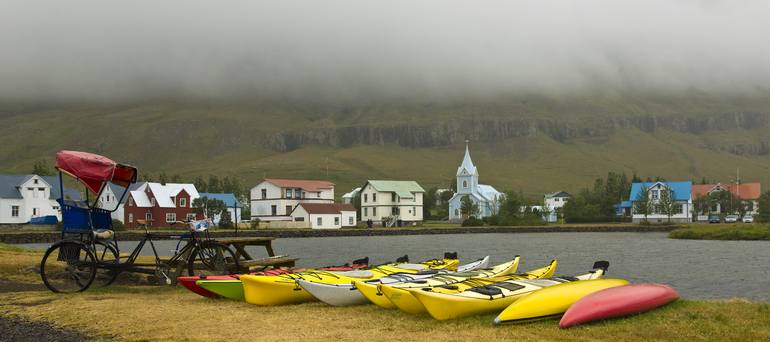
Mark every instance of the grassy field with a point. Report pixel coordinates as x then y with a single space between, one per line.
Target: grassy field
723 231
164 313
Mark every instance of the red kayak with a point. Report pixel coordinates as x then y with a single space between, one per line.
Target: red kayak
618 302
189 281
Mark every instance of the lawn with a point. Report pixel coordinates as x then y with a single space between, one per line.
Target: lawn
165 313
724 231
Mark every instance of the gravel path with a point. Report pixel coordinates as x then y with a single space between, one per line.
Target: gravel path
19 329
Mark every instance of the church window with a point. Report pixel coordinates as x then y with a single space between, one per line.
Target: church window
465 184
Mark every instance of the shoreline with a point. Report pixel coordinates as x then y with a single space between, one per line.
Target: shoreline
20 237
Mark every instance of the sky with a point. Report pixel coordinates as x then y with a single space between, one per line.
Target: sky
382 50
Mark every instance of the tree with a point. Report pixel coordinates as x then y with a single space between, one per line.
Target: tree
41 168
701 205
724 199
213 185
642 203
763 207
356 201
200 184
468 207
208 207
667 203
429 202
225 221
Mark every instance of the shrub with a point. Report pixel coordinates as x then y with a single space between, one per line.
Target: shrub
255 223
117 225
472 222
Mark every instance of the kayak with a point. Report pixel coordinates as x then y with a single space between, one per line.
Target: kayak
284 289
553 301
397 293
618 302
443 304
191 282
345 294
227 288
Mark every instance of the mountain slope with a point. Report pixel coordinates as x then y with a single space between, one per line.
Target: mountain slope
534 144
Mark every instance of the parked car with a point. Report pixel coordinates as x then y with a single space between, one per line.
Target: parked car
732 218
748 219
714 218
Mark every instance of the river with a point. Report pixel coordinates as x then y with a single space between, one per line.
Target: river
697 268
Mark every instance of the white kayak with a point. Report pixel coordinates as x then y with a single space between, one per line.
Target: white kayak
347 294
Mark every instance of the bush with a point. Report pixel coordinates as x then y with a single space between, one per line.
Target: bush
254 223
117 225
472 222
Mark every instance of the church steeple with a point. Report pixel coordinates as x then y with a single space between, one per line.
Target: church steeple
467 167
467 174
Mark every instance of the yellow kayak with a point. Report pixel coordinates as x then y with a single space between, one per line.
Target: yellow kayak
492 297
402 299
553 301
283 289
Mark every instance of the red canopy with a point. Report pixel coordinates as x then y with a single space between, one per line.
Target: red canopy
93 170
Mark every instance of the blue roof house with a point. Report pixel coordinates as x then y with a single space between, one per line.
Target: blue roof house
233 206
682 195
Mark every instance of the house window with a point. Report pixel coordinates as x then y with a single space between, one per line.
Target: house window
655 195
299 219
319 221
374 211
264 193
148 216
130 201
374 197
414 210
130 218
366 211
152 201
14 211
318 194
350 220
393 197
191 217
35 181
288 209
34 193
366 197
170 217
394 211
465 184
274 210
182 202
35 211
336 220
289 193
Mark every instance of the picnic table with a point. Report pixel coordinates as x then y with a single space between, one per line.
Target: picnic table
246 261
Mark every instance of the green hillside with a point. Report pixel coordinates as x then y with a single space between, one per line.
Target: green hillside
533 144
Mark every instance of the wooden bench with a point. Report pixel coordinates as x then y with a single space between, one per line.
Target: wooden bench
246 261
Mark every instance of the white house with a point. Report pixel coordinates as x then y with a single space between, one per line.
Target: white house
682 196
391 201
23 197
274 199
325 215
232 204
111 195
486 197
348 197
552 202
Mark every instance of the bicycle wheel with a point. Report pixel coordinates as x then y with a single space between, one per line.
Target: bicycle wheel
212 258
106 256
68 266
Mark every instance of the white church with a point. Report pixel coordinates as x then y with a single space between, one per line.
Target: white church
485 196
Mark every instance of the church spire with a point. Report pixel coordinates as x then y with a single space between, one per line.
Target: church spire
467 167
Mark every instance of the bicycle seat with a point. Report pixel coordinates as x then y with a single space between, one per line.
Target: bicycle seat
104 234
